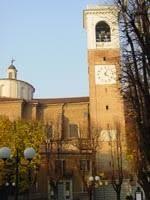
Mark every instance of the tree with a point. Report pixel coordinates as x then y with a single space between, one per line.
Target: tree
18 135
53 151
85 163
86 168
74 149
135 76
117 161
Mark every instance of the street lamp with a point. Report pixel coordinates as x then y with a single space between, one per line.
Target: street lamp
93 181
29 153
5 153
9 188
96 181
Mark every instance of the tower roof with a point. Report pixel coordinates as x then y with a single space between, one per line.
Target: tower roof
12 67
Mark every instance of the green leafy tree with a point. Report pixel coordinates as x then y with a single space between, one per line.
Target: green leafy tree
19 135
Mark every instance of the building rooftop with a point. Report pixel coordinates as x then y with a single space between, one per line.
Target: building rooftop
50 101
63 100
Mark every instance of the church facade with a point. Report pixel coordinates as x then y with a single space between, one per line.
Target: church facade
81 131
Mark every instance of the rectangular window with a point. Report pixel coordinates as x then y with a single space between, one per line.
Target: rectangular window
10 75
84 165
73 130
67 186
49 131
60 167
83 188
68 189
107 107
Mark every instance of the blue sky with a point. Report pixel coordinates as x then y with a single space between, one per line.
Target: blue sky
48 42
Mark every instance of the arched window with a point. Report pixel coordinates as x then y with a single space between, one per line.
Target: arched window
10 75
102 32
22 92
73 130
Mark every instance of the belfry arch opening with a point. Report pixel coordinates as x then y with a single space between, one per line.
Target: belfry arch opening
102 32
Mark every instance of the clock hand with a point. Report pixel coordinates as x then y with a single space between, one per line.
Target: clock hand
105 73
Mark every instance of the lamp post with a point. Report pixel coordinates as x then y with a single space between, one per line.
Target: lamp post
29 153
9 188
93 181
97 181
5 154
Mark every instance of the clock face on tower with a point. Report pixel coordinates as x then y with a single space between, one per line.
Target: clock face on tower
105 74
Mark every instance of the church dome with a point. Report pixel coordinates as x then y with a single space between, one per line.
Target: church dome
11 87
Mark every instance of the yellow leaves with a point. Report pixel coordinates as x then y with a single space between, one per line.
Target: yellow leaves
5 130
20 134
129 157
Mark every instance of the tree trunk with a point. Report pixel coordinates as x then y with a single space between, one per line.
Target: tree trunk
56 194
118 195
55 189
90 195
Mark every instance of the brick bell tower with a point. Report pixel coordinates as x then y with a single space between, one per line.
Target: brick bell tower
106 104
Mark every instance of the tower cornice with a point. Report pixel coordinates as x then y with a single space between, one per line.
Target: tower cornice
98 10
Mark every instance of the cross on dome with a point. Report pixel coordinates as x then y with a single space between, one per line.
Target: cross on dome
12 61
